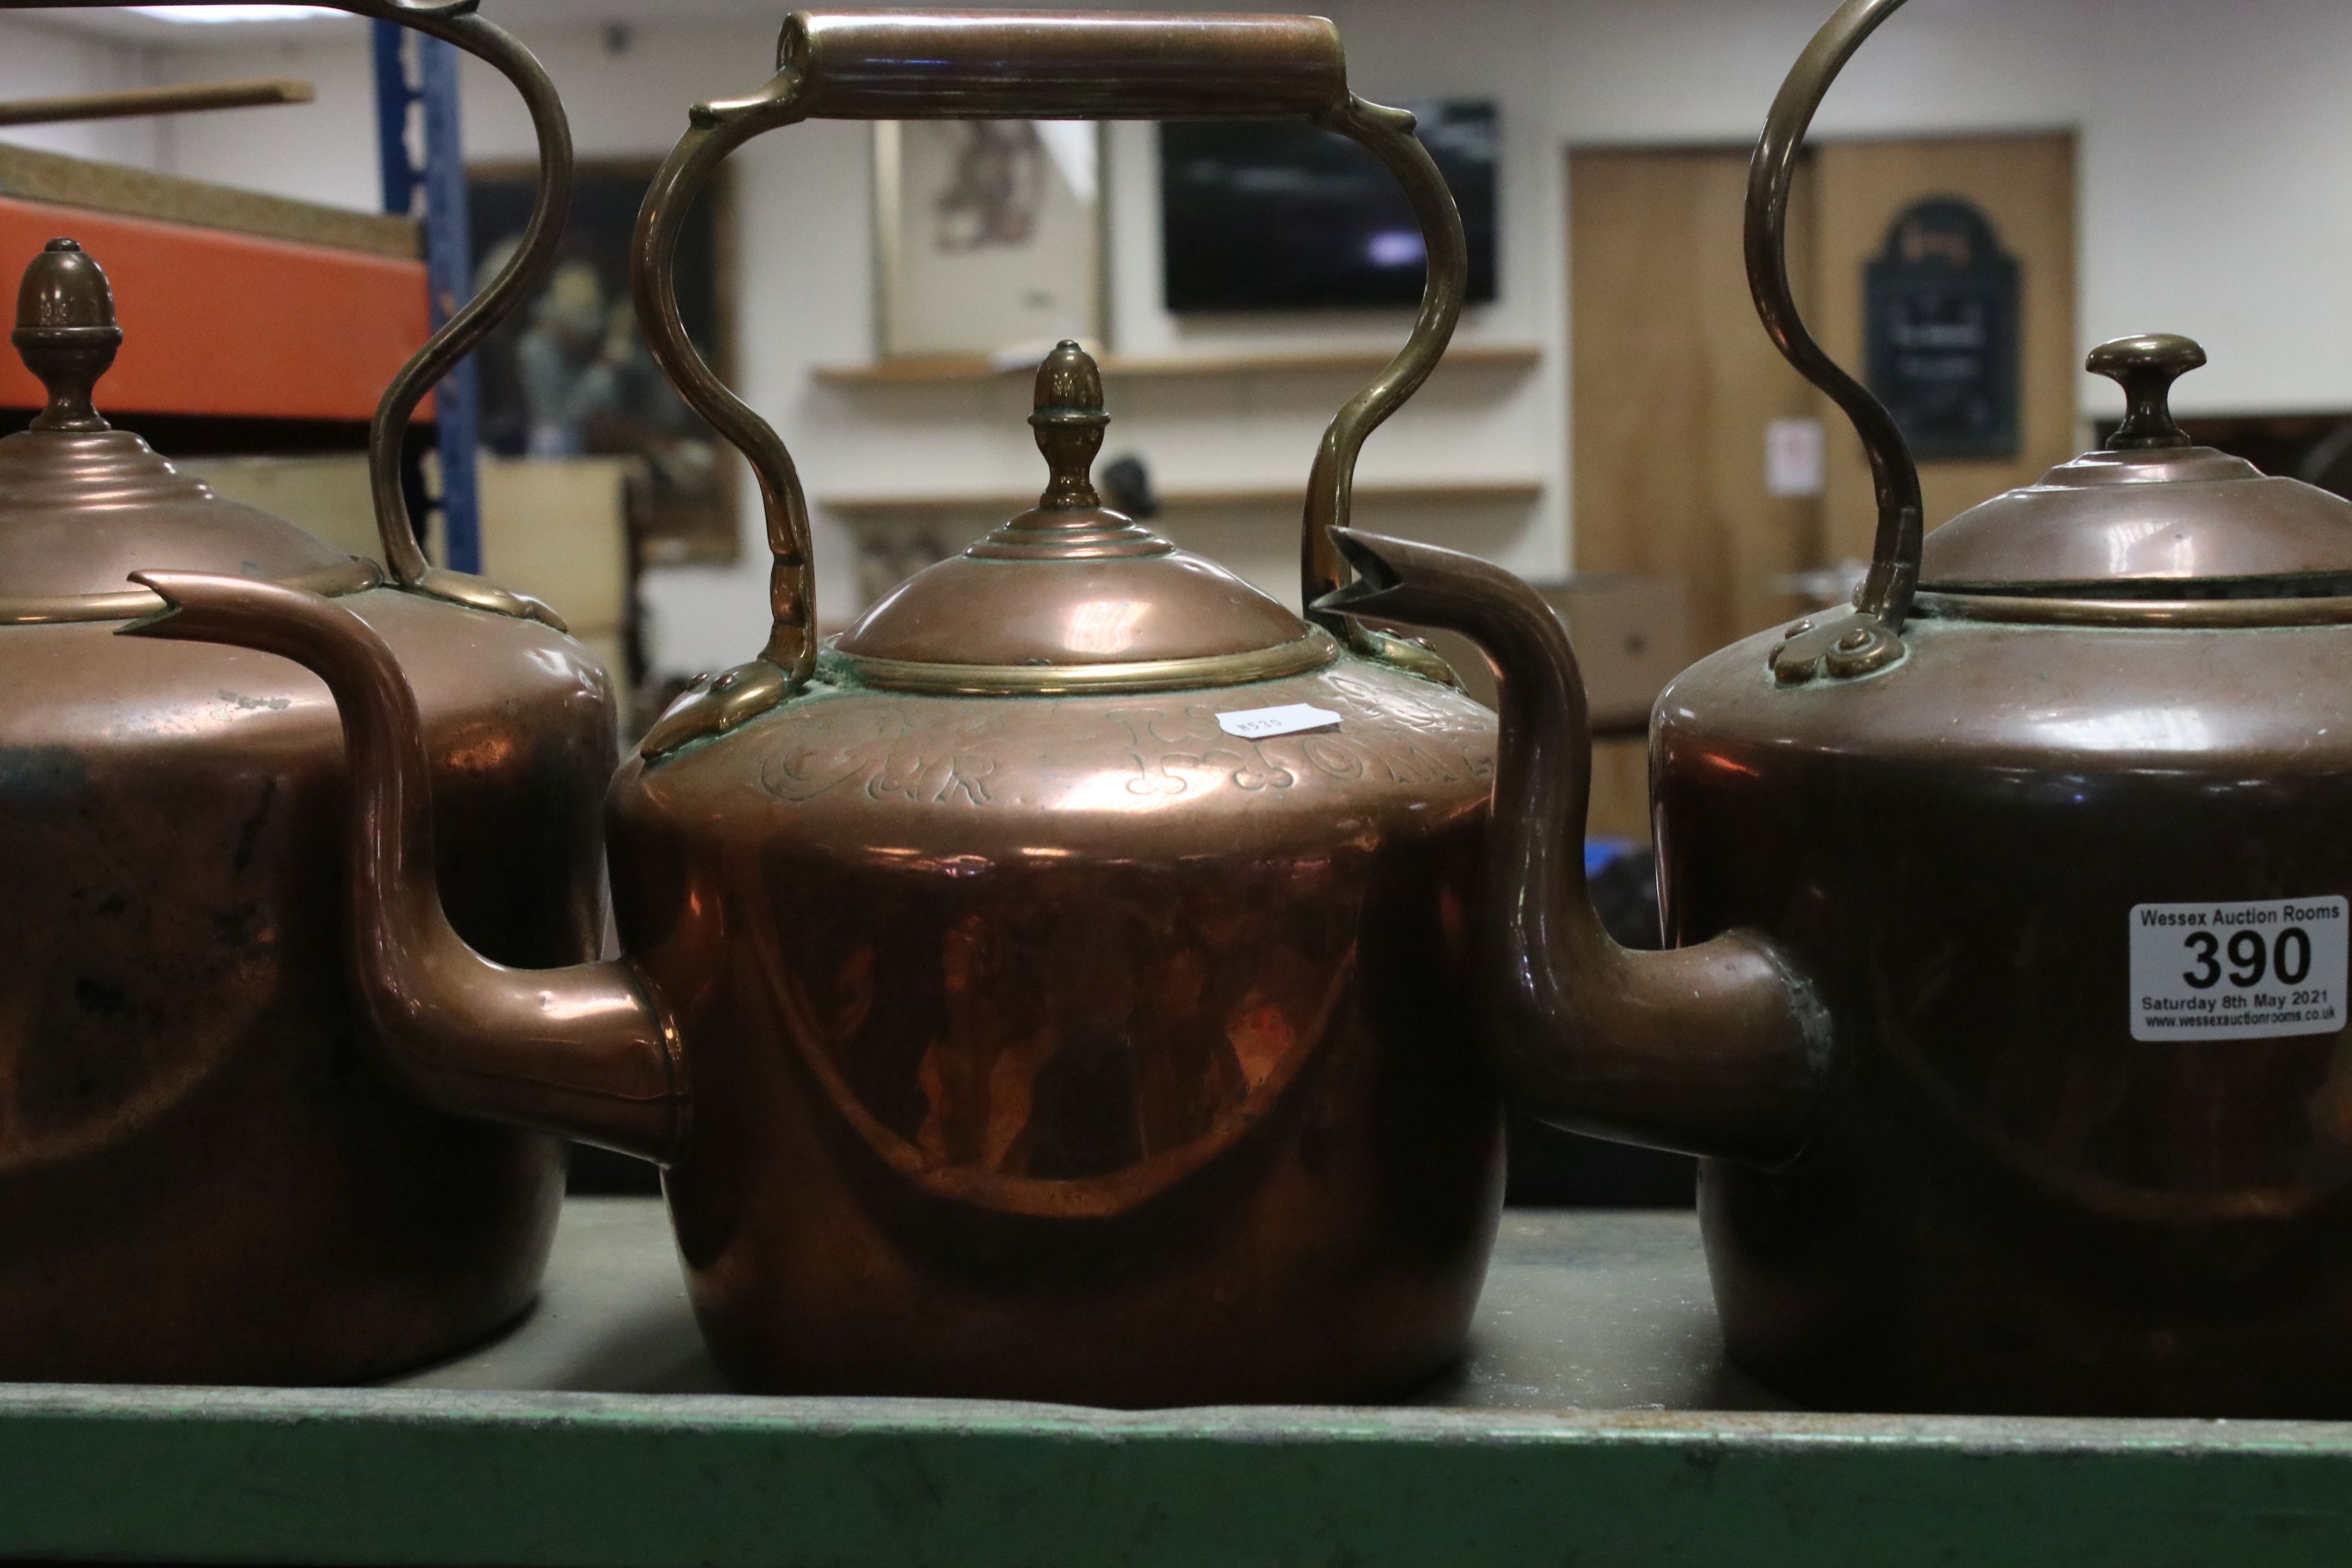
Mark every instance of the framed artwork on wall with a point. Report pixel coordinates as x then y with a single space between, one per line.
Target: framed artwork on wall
989 236
570 375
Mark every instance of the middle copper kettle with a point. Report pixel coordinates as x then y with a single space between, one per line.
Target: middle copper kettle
1010 1025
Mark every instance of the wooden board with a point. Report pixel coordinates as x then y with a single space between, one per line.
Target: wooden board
1344 361
36 176
2025 185
230 325
1674 386
1001 504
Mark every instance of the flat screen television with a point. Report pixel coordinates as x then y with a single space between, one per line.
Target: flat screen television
1283 215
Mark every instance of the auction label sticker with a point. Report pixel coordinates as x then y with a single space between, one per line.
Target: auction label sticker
2238 971
1263 724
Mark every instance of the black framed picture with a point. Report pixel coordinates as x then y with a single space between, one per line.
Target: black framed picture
1944 326
570 374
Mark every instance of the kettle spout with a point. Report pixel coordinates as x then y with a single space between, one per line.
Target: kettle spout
1716 1049
589 1051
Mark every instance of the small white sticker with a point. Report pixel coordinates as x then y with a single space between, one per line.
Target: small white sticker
2240 970
1260 723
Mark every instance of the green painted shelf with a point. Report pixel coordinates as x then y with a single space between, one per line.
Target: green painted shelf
1594 1423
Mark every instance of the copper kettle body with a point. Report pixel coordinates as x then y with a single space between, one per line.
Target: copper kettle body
1986 1130
204 1175
1009 1024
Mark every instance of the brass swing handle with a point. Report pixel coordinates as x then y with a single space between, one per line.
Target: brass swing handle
1871 637
452 21
957 65
1011 65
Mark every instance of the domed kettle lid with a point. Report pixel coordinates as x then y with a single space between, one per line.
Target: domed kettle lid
82 504
2152 530
2152 514
1071 595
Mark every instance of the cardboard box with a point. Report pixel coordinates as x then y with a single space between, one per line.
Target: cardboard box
1631 633
554 528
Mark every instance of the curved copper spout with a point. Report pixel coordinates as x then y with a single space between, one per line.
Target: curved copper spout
587 1051
1716 1049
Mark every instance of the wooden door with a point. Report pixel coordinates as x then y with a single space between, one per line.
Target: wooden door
1674 383
1675 386
2025 187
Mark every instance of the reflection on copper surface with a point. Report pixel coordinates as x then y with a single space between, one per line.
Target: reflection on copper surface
1105 626
1082 1029
1715 761
1261 1037
2125 559
2166 729
562 663
485 750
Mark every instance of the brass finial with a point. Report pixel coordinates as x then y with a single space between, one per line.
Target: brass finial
2146 368
1069 421
1069 522
65 332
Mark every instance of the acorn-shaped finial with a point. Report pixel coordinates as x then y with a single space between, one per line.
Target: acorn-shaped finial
1069 421
65 332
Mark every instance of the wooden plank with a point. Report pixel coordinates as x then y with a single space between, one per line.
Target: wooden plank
1674 386
229 324
1620 790
2025 185
1350 361
132 103
37 176
1476 492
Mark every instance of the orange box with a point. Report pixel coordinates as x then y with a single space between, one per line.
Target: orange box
229 324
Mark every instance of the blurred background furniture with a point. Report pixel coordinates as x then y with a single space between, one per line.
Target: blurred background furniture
555 528
260 332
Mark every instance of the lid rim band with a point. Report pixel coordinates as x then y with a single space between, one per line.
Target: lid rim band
2183 614
1297 656
356 575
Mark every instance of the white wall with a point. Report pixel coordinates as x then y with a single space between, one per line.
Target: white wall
42 62
2216 199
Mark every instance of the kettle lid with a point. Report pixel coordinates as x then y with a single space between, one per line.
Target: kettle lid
2151 515
82 505
1071 596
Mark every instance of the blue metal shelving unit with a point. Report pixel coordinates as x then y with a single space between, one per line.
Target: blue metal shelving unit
414 73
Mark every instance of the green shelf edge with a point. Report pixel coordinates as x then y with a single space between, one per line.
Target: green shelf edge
589 1480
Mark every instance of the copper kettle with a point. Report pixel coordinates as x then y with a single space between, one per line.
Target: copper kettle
1019 1010
203 1176
2010 998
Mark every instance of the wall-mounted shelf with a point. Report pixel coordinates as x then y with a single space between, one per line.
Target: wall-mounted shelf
1478 493
1351 362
